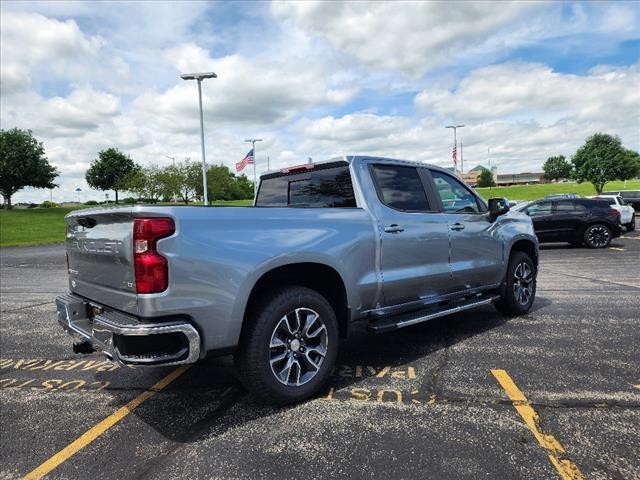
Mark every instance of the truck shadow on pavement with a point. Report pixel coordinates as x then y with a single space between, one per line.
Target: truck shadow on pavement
208 400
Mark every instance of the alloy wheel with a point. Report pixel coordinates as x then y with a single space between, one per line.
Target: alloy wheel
598 236
523 283
298 347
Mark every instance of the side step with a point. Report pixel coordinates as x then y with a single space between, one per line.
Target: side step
388 324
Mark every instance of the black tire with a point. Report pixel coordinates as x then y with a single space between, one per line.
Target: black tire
597 236
631 226
512 303
254 355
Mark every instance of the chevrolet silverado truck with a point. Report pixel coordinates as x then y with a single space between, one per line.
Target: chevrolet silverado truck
278 284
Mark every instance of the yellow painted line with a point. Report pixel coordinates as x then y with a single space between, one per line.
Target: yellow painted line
98 429
567 469
616 248
631 238
636 386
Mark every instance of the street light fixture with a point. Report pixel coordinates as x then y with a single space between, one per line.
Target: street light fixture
199 77
455 142
253 149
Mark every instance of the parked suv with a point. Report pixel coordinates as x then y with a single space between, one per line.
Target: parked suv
579 221
387 242
627 213
631 197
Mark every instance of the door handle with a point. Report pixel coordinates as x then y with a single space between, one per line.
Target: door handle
457 227
394 228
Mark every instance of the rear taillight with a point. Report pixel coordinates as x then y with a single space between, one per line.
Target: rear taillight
614 212
151 271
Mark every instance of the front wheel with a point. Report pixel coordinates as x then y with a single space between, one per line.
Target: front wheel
520 286
597 236
631 226
289 346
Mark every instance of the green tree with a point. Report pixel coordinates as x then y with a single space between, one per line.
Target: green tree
111 171
602 159
556 168
243 188
630 167
23 163
182 180
486 179
220 182
146 182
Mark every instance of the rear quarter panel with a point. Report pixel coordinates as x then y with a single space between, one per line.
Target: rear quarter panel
218 254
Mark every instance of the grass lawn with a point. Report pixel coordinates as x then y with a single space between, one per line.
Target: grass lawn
36 226
535 192
32 227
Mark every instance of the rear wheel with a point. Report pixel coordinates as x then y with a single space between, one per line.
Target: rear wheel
597 236
520 286
289 346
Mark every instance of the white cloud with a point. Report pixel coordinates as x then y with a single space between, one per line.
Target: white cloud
414 37
83 110
30 39
246 92
524 90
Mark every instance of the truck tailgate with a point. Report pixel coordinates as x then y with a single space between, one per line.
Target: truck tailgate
100 251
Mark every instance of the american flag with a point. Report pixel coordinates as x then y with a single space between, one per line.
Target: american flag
245 161
455 156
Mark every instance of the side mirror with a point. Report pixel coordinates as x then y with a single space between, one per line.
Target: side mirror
497 207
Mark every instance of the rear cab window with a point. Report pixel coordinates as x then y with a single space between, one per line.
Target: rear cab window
317 186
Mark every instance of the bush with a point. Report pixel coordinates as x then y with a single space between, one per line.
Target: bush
91 202
48 204
129 200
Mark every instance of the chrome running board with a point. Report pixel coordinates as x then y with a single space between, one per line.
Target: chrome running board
395 322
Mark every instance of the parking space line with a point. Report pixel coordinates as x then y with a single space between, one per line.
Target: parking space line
567 469
617 248
98 429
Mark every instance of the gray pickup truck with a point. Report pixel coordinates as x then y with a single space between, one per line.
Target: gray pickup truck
388 242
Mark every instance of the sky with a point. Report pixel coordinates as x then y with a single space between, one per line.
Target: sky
528 80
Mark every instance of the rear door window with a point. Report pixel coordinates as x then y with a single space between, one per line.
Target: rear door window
542 208
400 188
565 207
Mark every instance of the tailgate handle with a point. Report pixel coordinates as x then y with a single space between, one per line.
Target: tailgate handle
87 222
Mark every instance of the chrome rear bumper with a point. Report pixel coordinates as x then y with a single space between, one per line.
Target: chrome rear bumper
126 339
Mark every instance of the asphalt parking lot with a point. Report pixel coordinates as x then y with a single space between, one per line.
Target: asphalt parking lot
553 394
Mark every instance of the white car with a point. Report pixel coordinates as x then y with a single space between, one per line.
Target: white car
627 213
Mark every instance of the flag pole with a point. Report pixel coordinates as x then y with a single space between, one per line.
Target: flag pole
255 178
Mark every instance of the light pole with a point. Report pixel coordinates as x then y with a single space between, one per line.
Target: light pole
199 77
253 149
489 159
455 141
173 159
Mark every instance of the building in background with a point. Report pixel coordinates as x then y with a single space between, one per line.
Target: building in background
525 178
472 176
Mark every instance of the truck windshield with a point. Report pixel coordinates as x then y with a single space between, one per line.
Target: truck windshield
327 186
